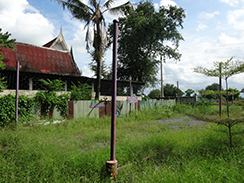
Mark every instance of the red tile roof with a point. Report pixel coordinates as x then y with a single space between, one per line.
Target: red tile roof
39 60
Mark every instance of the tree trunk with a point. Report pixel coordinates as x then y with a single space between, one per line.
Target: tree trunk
98 81
230 135
227 99
220 88
98 53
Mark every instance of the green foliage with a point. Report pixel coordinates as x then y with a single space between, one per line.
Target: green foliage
80 92
2 65
146 151
53 85
3 84
145 98
189 92
223 70
171 90
233 92
7 43
7 110
154 94
93 16
49 99
214 87
143 32
211 91
209 113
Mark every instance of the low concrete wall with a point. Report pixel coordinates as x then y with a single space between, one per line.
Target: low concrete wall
29 93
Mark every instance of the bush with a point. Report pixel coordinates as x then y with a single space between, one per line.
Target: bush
7 110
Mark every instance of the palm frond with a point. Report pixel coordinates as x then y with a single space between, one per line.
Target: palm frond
78 9
108 4
94 4
122 9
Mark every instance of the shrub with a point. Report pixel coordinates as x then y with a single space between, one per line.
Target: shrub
7 110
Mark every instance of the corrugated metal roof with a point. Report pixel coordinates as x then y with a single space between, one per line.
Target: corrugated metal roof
39 60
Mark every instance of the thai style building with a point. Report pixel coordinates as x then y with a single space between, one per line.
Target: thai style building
53 60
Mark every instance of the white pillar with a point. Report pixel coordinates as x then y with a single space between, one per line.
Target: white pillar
65 86
30 84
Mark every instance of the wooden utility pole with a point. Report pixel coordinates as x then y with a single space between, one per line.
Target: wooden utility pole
162 81
220 88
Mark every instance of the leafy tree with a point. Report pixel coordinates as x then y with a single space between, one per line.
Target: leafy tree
188 92
214 87
93 15
6 42
208 92
171 90
154 94
52 85
80 92
49 99
144 33
234 94
225 70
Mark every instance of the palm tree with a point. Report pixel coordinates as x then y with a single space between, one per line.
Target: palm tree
93 16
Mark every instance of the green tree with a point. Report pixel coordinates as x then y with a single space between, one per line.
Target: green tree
225 70
154 94
234 94
49 99
214 87
208 92
189 92
6 42
80 92
171 90
93 15
144 33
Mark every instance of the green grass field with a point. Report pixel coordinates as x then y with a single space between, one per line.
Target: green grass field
77 150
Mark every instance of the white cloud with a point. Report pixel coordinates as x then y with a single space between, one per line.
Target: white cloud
87 72
205 15
236 19
167 3
201 26
24 22
230 2
156 6
227 40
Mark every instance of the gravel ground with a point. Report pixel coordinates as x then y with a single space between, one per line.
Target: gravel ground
183 121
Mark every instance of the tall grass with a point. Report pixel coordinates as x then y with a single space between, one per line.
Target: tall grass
76 151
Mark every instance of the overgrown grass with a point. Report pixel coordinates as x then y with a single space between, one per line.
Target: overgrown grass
76 151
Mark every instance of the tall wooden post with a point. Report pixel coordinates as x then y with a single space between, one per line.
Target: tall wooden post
178 96
220 89
111 164
17 92
130 92
162 81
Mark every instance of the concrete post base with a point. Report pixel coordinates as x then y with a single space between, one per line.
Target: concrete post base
111 167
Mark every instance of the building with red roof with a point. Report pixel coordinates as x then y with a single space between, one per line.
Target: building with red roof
53 60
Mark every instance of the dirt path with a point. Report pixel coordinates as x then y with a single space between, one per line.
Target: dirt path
184 120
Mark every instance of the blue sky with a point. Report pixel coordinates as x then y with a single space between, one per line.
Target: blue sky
213 31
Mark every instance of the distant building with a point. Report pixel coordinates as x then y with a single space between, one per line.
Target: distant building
53 60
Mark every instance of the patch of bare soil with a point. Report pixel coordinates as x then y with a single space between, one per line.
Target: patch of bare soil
183 121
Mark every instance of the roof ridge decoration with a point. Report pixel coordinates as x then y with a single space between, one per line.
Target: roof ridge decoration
58 43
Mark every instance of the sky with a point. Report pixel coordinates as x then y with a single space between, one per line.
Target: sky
213 31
